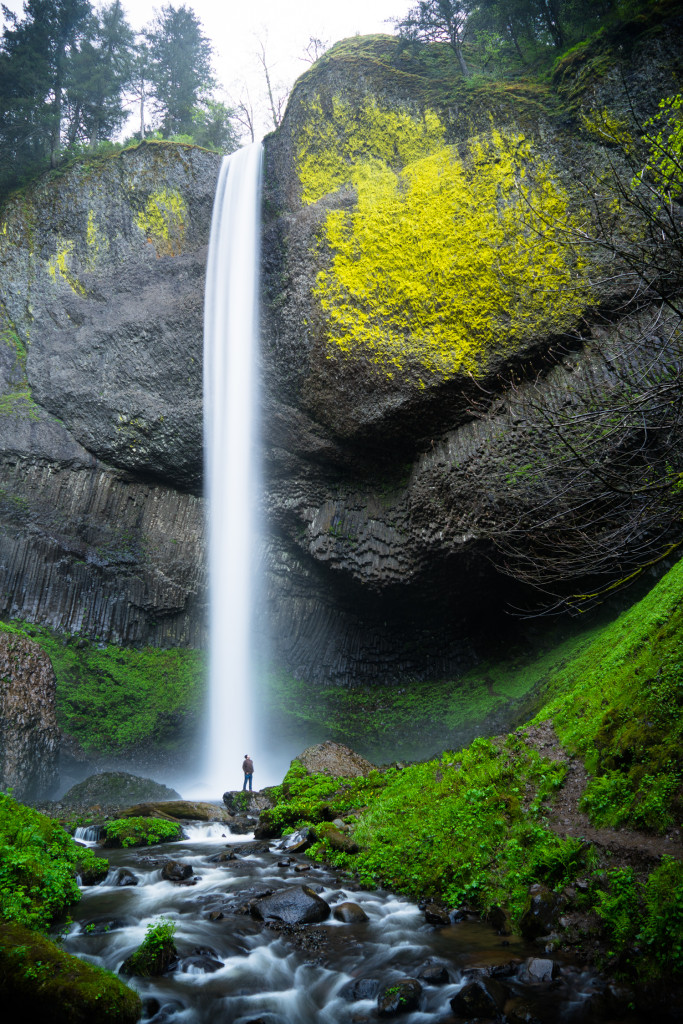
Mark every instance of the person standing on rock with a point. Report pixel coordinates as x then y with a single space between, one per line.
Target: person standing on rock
248 769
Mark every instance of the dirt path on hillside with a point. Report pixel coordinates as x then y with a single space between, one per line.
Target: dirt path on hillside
635 848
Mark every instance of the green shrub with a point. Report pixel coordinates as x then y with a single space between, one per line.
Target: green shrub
156 953
39 863
141 832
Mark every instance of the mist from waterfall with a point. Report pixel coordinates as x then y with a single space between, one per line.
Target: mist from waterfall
231 464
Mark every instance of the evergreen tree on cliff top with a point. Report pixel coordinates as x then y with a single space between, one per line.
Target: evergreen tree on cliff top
34 68
100 70
180 68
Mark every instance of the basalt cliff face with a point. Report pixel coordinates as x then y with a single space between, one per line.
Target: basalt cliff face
101 291
411 359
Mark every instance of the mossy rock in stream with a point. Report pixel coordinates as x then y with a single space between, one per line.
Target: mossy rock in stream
50 985
124 832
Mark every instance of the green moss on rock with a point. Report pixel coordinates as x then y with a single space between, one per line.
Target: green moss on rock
45 983
124 832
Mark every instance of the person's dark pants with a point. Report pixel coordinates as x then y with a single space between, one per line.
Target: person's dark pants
247 779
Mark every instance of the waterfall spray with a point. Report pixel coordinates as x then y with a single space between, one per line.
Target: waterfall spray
230 341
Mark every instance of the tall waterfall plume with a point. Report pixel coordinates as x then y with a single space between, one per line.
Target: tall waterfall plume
231 463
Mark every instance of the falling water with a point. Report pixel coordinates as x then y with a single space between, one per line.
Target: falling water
230 333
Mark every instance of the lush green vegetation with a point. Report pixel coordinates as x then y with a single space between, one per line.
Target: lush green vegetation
156 952
141 832
39 863
423 717
113 699
472 826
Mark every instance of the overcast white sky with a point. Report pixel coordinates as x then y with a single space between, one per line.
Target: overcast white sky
235 26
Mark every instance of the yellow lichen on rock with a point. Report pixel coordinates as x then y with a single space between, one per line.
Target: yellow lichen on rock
59 265
97 240
164 221
332 143
449 264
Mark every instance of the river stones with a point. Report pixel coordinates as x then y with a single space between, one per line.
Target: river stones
539 913
483 998
176 871
295 842
123 877
361 988
401 996
434 974
298 905
537 971
350 913
437 915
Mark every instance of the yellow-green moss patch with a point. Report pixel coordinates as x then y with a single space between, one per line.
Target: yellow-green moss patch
164 221
449 263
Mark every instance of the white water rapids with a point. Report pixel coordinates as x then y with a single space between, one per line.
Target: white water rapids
231 468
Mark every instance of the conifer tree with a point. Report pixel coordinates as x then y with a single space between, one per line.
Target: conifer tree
180 67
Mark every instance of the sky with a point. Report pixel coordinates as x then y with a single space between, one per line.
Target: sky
235 28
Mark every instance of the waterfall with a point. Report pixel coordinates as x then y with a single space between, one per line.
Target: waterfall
230 466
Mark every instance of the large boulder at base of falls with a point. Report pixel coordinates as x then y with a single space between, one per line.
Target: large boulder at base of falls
29 736
334 759
119 789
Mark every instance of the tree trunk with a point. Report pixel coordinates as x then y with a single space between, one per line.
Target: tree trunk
461 60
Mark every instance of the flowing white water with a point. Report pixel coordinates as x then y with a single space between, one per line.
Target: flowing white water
230 340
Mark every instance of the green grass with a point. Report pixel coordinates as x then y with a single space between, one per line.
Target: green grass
114 699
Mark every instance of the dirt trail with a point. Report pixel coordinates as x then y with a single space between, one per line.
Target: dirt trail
635 848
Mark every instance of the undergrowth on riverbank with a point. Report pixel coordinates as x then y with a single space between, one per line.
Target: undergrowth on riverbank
619 705
114 699
471 827
140 832
39 863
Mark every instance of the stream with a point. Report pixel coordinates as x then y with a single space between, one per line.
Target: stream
233 969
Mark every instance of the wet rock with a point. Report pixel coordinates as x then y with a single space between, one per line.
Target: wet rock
216 915
349 913
537 971
522 1012
334 759
540 912
437 915
175 871
176 810
238 801
94 874
301 868
243 826
119 789
434 974
361 988
337 840
401 996
222 858
483 998
150 1007
297 841
123 877
298 905
285 862
198 962
499 919
29 750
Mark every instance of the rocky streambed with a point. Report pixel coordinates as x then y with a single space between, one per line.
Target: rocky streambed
263 934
